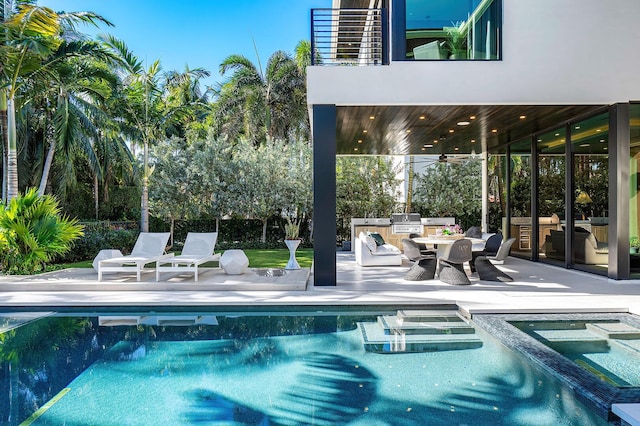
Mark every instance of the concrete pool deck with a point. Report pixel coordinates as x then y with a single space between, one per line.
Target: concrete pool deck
536 288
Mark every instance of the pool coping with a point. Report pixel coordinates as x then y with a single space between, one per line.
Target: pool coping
593 392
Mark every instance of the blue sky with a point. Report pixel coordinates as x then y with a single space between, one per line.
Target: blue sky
200 33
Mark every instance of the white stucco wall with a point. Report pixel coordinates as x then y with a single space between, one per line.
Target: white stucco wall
554 52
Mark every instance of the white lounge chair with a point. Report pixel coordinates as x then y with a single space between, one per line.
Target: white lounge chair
198 249
149 248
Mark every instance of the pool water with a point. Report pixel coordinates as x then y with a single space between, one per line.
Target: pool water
268 368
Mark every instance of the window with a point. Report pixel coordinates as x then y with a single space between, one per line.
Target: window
453 29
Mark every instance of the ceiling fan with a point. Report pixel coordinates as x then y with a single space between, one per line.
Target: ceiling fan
457 159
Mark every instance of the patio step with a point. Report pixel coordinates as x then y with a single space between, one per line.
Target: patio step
376 340
407 325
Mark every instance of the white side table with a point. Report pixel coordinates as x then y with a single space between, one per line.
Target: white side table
105 254
234 262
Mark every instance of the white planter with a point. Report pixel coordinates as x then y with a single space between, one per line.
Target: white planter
292 245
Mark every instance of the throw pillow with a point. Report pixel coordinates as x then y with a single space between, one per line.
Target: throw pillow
377 237
371 243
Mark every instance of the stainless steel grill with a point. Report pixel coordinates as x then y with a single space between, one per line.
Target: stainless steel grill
406 223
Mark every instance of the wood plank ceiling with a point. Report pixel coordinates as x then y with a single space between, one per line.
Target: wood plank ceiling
441 129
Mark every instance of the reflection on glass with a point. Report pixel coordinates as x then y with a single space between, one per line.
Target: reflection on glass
453 29
521 198
591 183
497 192
634 189
551 195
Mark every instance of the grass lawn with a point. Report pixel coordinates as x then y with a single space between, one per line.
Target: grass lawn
276 258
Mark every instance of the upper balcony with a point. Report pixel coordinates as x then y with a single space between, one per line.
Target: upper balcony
540 52
437 30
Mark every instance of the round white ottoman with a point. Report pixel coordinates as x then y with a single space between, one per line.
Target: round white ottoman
105 254
234 262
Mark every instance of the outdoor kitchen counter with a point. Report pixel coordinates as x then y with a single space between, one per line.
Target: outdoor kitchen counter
384 226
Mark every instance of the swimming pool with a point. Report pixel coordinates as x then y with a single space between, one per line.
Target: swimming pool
313 365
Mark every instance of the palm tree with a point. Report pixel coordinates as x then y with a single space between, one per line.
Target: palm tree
143 112
73 94
28 36
262 104
185 100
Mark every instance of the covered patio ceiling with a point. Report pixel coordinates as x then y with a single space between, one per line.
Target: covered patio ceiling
444 129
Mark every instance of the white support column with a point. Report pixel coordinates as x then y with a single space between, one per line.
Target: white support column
485 192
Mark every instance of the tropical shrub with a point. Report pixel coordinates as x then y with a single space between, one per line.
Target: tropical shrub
33 232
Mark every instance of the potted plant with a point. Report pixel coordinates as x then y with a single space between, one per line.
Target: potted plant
292 240
456 41
634 244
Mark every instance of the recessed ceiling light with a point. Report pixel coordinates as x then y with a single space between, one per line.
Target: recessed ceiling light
539 140
473 117
598 130
408 130
424 149
451 130
584 145
355 149
435 141
601 140
428 145
463 123
372 117
557 134
456 148
577 127
522 117
364 131
359 140
605 148
422 117
494 130
473 141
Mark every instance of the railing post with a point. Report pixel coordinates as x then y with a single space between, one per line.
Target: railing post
385 36
313 39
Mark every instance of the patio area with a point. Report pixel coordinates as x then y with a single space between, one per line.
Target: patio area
536 288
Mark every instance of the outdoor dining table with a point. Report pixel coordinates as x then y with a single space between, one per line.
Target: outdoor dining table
443 244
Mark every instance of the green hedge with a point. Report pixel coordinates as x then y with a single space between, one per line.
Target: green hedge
95 240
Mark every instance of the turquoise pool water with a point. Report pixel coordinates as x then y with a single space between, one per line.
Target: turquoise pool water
245 368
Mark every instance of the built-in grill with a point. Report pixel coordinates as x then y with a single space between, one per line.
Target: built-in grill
406 223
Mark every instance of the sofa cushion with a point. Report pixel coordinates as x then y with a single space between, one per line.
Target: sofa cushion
377 237
386 249
473 232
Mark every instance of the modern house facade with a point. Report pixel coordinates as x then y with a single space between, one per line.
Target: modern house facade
546 91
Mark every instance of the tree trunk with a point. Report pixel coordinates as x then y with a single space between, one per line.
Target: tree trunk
12 152
4 138
144 220
96 202
407 207
171 228
264 230
47 166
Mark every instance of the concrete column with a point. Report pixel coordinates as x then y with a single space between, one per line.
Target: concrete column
324 194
